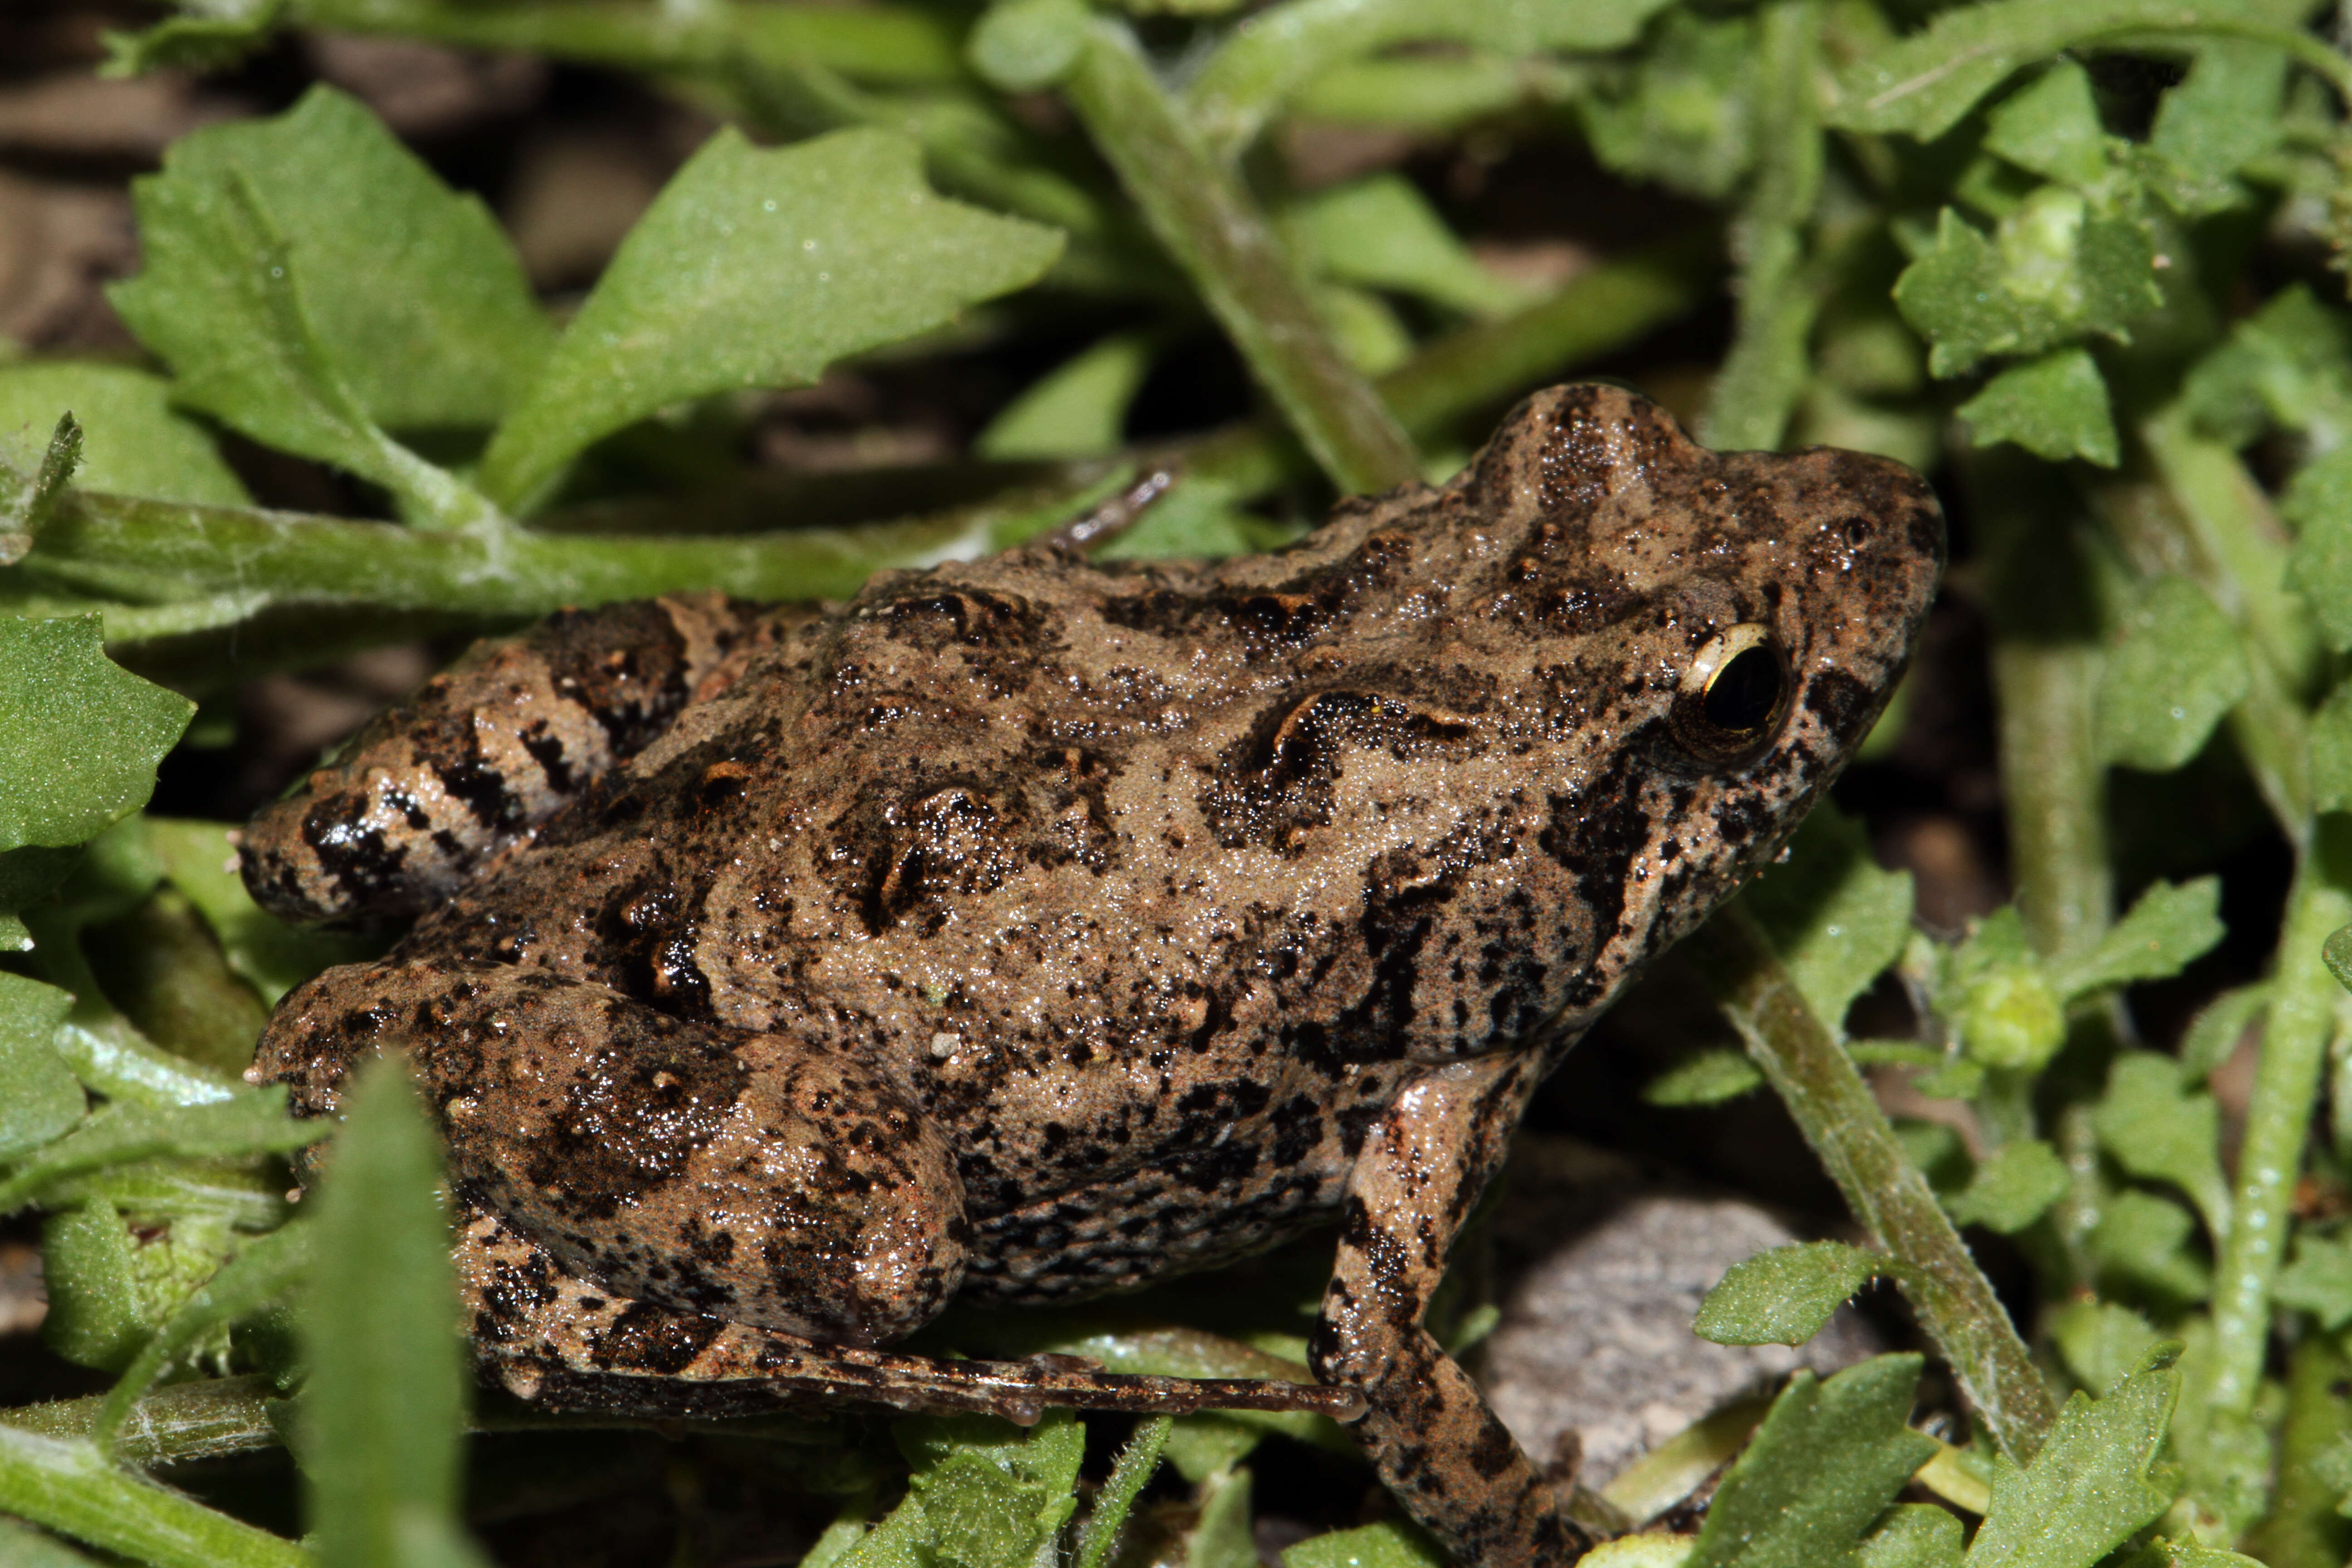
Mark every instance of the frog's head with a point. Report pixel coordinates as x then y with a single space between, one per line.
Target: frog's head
1733 622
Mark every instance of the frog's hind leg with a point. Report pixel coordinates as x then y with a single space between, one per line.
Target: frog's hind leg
482 753
1426 1427
558 1340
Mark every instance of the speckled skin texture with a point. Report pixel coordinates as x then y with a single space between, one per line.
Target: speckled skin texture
1027 929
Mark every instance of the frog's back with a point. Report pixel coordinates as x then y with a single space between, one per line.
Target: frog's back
1150 882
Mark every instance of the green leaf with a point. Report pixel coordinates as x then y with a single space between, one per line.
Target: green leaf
2054 407
1197 519
1366 329
2142 1243
27 504
249 1121
2213 1034
2174 667
1710 1078
1784 1296
1079 409
991 1494
1833 916
1923 83
1262 67
2104 1342
84 738
2318 502
760 268
224 299
95 1315
1821 1469
22 1546
2058 268
1221 1538
261 1272
384 1409
419 302
2318 1279
1382 233
1390 1544
2288 365
1912 1535
2331 751
2052 128
133 444
1938 1149
40 1098
2092 1485
1681 111
2223 117
2168 928
214 38
1136 1461
2162 1553
2338 955
2159 1129
1206 1444
2014 1186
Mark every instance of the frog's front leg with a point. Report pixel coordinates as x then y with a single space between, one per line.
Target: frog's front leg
482 753
764 1179
1426 1427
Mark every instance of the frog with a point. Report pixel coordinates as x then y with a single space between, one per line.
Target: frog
1031 928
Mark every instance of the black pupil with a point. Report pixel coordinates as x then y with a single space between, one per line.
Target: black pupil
1744 692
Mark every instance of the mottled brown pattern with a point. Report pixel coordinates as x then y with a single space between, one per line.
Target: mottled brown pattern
1028 929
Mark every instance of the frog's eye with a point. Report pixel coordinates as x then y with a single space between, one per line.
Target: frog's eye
1732 695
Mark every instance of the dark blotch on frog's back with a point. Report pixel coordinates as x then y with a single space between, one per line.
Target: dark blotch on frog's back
1274 784
653 1095
647 1339
1285 615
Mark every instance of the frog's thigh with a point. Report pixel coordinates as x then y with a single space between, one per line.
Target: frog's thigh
481 753
1426 1427
761 1178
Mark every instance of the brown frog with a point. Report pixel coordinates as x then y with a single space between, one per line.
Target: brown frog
1028 929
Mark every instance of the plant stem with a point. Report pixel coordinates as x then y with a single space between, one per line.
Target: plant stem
200 1420
1834 1109
65 1487
2305 1006
1208 223
2045 667
1767 368
115 541
2302 1529
148 548
878 42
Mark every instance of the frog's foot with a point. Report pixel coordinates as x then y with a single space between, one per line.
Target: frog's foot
559 1340
1426 1427
482 753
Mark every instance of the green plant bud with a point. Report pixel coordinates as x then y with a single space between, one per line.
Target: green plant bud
2009 1018
1028 43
